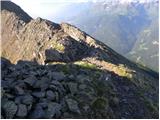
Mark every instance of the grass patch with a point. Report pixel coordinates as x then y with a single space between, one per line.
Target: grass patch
124 72
100 103
84 64
57 46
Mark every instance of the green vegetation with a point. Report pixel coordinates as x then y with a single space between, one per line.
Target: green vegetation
124 72
57 46
100 87
55 63
100 103
66 69
84 64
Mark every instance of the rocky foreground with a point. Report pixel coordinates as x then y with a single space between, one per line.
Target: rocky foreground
30 90
54 70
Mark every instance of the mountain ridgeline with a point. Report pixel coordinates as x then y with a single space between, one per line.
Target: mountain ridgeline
130 28
52 70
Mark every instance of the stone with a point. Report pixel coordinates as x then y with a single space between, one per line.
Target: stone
19 90
18 99
64 105
5 84
53 87
27 99
52 55
54 82
73 106
115 101
43 84
29 107
82 86
38 113
10 109
57 76
57 86
71 77
43 104
86 107
66 115
57 96
14 74
22 110
72 87
30 80
9 96
50 95
82 78
53 110
39 94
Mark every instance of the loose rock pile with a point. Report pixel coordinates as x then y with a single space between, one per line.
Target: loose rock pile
30 90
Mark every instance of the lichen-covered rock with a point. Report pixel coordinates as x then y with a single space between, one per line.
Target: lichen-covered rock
10 109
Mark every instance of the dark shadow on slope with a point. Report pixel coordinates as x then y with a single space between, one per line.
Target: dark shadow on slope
72 50
119 94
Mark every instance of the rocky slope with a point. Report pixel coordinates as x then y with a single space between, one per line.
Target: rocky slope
128 23
54 70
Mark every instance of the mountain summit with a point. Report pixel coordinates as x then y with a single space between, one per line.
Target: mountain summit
54 70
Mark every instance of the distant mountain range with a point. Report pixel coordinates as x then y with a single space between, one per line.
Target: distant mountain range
121 24
113 2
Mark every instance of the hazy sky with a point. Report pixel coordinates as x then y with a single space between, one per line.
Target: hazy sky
48 9
40 8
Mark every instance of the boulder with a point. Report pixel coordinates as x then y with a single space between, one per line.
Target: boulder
73 87
10 109
39 94
27 99
19 90
73 106
57 76
50 95
53 110
22 110
37 113
30 80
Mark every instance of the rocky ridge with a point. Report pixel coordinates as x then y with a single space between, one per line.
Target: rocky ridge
54 70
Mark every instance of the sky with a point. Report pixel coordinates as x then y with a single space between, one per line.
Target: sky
49 9
42 8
